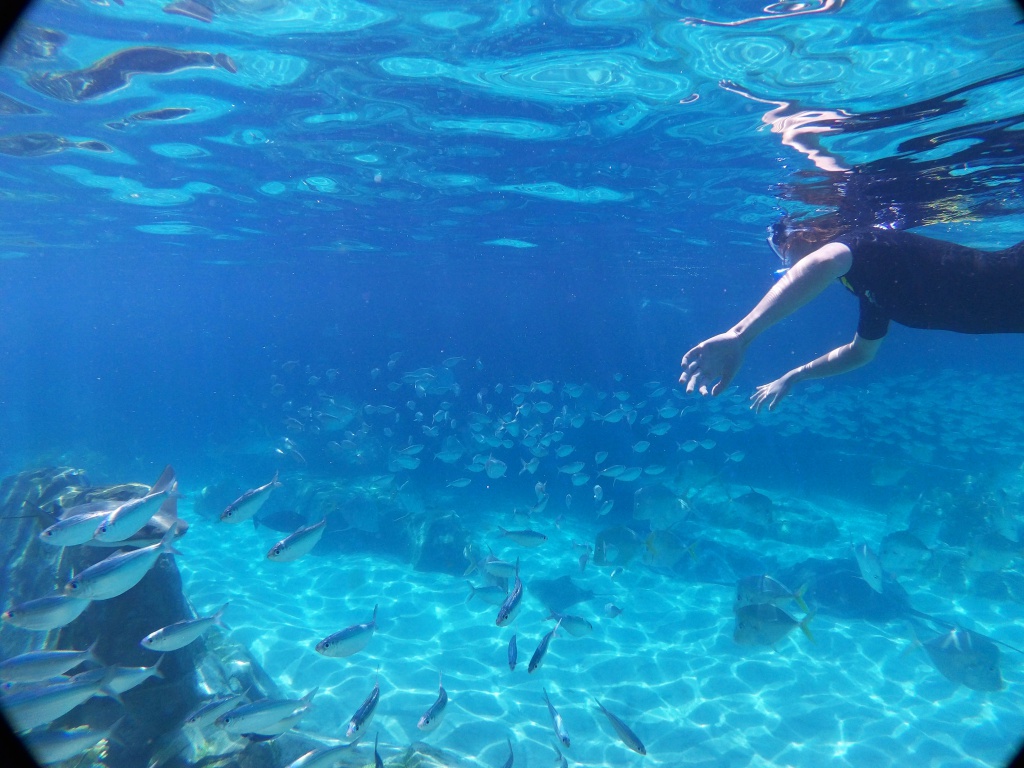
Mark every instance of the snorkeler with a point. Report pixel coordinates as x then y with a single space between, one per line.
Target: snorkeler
897 276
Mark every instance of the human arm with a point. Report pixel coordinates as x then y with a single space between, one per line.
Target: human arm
840 360
713 363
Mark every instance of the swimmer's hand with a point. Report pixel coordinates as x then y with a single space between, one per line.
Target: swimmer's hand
771 393
712 363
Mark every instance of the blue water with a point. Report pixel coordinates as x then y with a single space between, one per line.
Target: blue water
573 192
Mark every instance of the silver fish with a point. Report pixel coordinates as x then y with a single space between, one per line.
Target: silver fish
328 757
751 590
433 716
870 567
524 538
357 724
55 746
349 640
181 633
120 572
206 714
513 653
249 503
42 665
576 626
556 722
542 650
45 613
626 736
490 594
500 569
74 529
265 713
512 604
131 516
32 707
119 680
297 544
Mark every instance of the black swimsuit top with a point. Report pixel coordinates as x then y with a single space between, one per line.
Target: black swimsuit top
922 282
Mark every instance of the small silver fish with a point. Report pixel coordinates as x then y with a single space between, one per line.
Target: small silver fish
524 538
358 722
435 713
181 633
55 746
349 640
576 626
29 708
556 721
300 543
120 572
327 757
207 713
625 734
538 656
45 613
264 713
74 529
513 653
35 666
249 503
870 567
131 516
513 602
491 594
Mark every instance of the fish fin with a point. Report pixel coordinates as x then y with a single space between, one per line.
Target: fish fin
798 596
309 696
915 643
91 653
165 482
805 626
373 620
472 591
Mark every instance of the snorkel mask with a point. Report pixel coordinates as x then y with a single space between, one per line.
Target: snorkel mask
776 232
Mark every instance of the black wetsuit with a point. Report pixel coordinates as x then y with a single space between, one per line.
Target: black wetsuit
926 283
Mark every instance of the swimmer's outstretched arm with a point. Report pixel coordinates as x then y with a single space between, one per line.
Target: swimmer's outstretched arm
713 363
840 360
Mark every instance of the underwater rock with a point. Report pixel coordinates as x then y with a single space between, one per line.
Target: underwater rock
153 709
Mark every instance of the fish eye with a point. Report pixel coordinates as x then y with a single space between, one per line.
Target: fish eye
73 585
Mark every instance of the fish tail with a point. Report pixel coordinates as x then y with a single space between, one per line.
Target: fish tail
798 596
90 653
219 615
472 591
805 627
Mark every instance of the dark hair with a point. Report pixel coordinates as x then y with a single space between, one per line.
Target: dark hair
799 236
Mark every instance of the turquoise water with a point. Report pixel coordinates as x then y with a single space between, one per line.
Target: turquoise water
397 253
